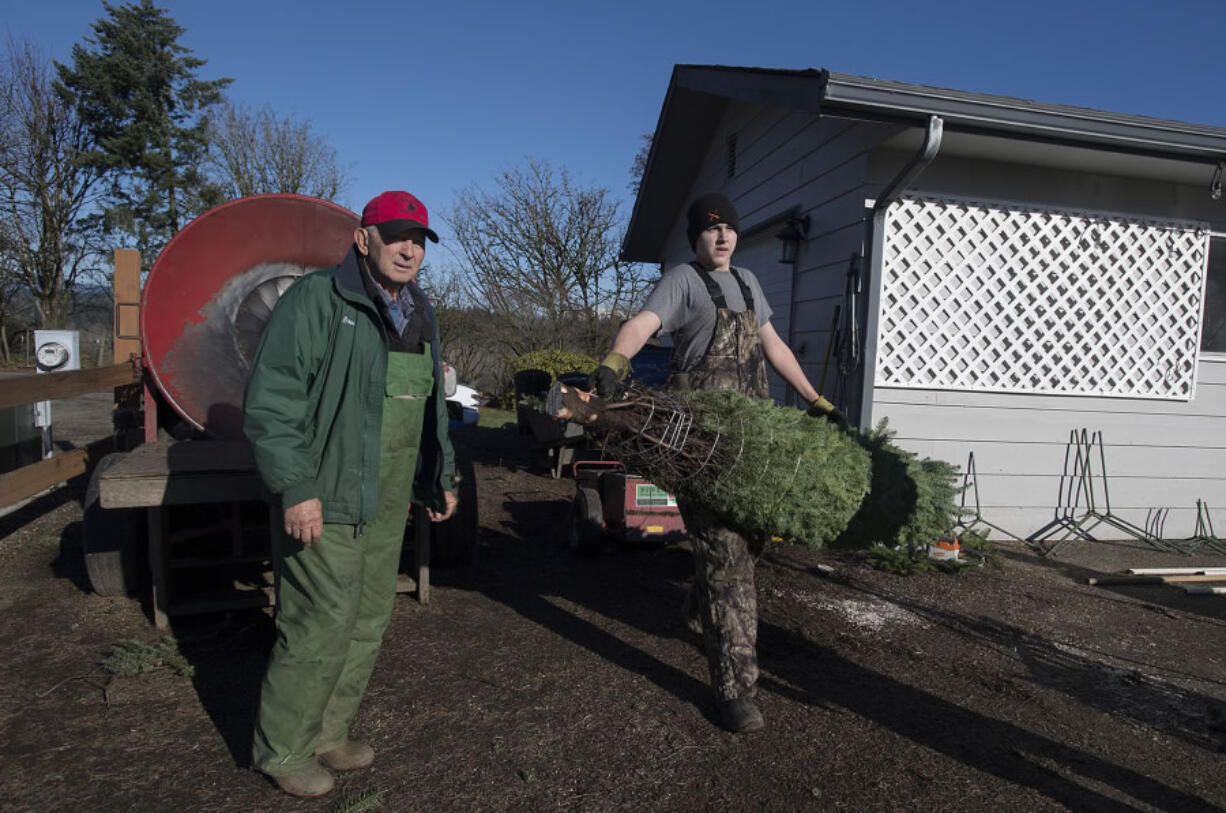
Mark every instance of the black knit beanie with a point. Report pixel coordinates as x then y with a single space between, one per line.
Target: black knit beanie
709 210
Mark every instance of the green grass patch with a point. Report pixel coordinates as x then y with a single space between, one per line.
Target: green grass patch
371 799
131 657
490 418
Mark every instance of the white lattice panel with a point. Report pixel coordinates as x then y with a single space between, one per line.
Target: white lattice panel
979 296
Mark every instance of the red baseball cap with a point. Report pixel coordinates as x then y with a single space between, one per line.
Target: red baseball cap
394 213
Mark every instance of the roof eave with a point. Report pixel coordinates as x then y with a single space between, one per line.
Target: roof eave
697 95
855 95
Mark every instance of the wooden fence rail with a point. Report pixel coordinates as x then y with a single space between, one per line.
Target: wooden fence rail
28 389
35 478
30 480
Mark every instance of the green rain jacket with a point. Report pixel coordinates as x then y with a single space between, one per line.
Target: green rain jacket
314 403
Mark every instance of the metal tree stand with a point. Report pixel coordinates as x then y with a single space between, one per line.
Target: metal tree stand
1203 535
1077 483
971 520
1073 486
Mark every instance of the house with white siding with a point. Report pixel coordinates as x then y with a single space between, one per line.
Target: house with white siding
993 276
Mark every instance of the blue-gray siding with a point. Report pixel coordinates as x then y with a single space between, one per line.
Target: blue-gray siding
1158 454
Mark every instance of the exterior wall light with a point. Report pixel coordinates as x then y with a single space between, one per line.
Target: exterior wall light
789 238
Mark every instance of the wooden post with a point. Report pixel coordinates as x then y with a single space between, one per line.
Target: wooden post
421 552
126 285
159 566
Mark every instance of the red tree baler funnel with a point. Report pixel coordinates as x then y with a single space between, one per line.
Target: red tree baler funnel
212 289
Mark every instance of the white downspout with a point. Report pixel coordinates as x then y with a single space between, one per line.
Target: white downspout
876 242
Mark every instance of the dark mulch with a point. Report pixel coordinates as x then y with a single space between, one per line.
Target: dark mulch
538 680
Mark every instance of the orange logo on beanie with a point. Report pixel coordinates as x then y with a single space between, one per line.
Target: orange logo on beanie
712 216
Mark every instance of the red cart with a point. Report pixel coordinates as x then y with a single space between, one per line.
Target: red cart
611 502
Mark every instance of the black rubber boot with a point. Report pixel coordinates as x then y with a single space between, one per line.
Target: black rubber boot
741 716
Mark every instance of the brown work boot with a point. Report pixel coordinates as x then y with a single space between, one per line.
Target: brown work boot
741 716
308 781
350 755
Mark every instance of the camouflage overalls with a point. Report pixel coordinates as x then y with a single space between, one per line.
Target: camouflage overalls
723 593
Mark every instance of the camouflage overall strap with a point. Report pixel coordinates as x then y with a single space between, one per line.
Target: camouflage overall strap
717 296
745 292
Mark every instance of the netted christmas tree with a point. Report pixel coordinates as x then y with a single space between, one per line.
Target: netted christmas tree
769 470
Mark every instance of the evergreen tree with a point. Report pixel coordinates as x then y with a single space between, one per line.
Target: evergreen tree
136 89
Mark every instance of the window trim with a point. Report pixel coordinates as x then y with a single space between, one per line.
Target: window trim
1216 356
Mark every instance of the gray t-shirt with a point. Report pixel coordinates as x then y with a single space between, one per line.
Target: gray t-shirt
686 311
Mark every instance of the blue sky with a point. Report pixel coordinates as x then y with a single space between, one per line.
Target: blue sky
432 97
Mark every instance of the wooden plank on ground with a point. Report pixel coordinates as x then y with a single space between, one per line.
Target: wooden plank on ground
1169 579
27 481
28 389
1175 571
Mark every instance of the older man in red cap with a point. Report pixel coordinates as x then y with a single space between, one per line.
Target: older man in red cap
344 406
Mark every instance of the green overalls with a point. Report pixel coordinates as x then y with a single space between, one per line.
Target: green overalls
335 597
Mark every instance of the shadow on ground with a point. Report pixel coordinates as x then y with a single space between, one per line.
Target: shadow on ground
813 674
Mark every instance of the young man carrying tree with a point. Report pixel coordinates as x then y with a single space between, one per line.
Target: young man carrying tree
722 336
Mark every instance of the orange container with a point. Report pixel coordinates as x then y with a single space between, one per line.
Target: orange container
946 547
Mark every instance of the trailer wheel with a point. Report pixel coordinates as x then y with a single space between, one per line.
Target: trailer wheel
586 521
114 540
453 542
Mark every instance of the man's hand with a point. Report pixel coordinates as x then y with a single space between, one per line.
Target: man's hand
609 374
450 500
305 521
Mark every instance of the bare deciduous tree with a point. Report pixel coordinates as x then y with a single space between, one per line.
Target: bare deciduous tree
253 152
10 294
470 340
47 193
541 257
639 168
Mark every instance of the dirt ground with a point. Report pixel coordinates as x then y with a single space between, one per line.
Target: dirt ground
536 680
